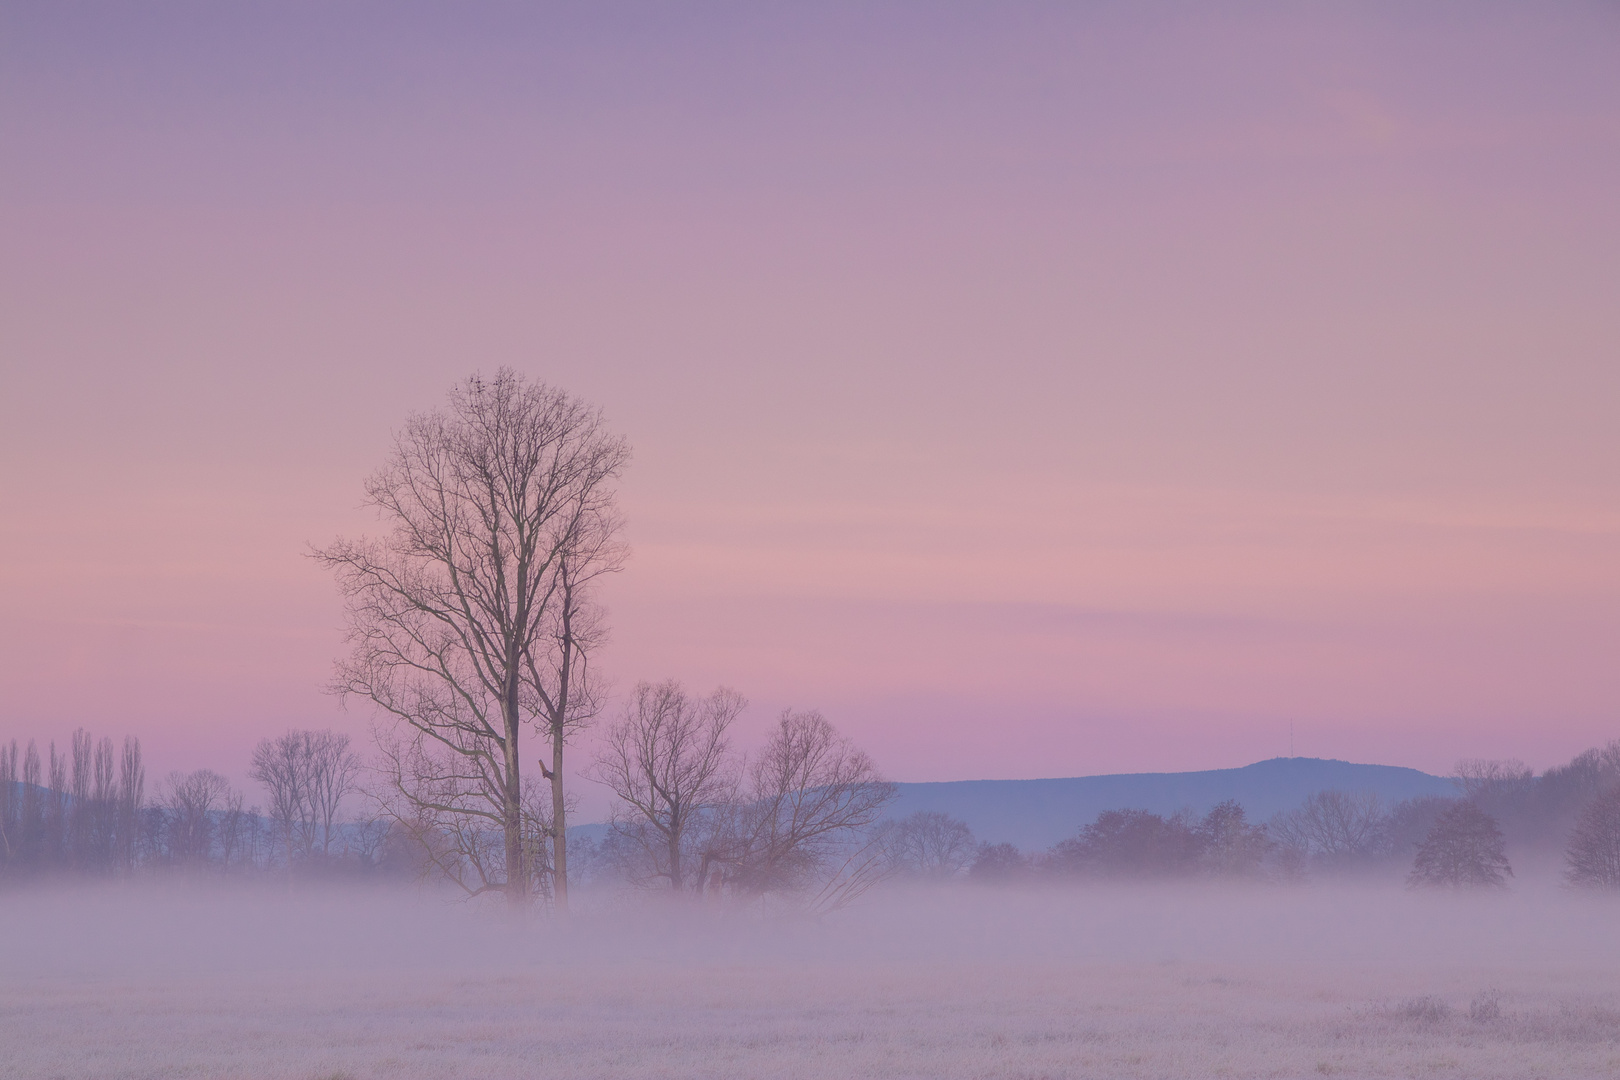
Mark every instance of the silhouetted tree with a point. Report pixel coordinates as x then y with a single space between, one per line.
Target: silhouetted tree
1510 792
192 804
10 807
1485 779
55 798
307 774
1464 848
801 820
1333 829
278 764
928 844
998 863
1593 855
31 812
1229 845
474 617
667 760
131 803
1131 843
1407 825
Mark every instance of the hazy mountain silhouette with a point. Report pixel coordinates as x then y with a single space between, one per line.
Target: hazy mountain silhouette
1036 814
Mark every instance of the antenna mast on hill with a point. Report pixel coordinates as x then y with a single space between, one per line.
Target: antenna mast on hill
1290 738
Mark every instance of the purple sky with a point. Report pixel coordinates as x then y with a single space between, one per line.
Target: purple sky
1035 390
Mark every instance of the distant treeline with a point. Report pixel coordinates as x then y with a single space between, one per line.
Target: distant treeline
86 811
1565 820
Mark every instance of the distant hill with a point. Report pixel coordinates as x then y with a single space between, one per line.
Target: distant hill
1036 814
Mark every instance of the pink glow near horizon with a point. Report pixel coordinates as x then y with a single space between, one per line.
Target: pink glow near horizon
1041 393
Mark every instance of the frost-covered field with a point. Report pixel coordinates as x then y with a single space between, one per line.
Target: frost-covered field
955 983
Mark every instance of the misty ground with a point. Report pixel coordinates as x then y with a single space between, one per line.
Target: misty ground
147 981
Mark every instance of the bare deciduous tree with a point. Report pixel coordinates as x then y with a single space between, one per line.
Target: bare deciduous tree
307 775
810 795
78 815
191 802
929 844
334 772
1232 847
999 863
278 765
796 819
1593 854
474 616
1339 828
131 800
10 804
666 758
1480 776
1464 848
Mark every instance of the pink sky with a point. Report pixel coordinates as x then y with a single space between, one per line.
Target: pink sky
1037 392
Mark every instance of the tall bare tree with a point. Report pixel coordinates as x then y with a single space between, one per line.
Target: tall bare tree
475 615
666 758
131 801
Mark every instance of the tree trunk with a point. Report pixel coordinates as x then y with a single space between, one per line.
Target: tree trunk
674 839
559 824
517 877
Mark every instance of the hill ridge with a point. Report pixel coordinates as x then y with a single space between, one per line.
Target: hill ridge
1037 813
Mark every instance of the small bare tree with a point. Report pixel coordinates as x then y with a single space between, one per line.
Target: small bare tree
191 803
810 798
475 616
279 764
666 758
334 774
999 863
1338 828
1463 848
929 844
307 775
1593 854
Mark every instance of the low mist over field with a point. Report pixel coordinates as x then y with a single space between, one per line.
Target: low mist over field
146 981
817 928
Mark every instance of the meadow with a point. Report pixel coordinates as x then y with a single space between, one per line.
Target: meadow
147 982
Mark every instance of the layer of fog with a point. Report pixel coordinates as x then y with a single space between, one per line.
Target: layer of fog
146 981
132 929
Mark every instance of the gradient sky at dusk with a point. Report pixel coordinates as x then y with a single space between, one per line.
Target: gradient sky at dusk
1036 389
